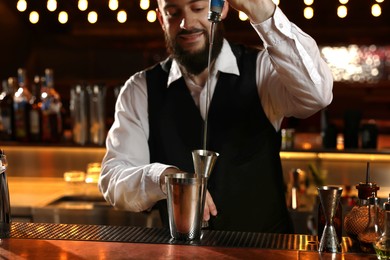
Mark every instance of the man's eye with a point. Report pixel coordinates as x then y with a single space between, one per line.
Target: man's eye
198 9
171 13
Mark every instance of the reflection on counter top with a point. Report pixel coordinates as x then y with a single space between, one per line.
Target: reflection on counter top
52 161
53 241
52 200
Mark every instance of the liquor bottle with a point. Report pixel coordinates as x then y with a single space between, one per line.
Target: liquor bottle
22 107
372 231
7 132
382 245
35 116
5 207
51 110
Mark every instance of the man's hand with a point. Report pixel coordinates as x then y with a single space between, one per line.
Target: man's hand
166 172
257 10
209 207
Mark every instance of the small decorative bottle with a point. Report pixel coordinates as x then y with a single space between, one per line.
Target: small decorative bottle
372 231
382 245
356 220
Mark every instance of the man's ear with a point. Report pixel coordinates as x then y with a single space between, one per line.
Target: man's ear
225 10
160 18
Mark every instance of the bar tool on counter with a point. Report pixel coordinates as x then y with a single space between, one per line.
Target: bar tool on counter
329 199
372 231
204 161
356 220
5 208
186 196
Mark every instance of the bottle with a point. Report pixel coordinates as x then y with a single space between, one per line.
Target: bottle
7 110
382 244
97 129
372 231
35 116
22 107
328 131
51 110
79 114
5 208
357 219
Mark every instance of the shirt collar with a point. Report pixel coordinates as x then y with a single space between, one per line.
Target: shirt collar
226 62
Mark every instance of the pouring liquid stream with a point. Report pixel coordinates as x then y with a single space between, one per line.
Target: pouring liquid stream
208 85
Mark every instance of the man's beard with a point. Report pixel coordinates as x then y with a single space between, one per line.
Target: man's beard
195 62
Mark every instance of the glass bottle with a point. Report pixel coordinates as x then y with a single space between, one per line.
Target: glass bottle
7 110
5 208
372 231
382 245
22 107
51 110
35 116
356 220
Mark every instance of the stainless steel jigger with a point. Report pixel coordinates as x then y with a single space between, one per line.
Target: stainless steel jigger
329 197
204 161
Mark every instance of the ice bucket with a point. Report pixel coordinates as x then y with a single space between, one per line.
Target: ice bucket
185 196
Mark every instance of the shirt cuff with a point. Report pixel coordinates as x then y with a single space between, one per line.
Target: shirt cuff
275 29
155 172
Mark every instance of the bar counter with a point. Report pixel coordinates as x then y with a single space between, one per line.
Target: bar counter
68 241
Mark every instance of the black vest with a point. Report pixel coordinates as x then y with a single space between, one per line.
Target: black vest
247 181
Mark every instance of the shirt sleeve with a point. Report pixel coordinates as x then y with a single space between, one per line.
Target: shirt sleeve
128 180
292 77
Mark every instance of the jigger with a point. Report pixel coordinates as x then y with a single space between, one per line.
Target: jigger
329 198
204 161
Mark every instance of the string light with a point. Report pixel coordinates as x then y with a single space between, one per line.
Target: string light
113 4
121 16
63 17
151 16
376 10
308 2
51 5
82 5
308 12
242 16
144 4
92 17
34 17
21 5
342 11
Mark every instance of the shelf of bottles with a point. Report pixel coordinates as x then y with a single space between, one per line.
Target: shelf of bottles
30 113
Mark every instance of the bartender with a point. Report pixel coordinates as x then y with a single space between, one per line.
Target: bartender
160 112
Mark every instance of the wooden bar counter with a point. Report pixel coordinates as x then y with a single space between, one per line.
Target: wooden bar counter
68 241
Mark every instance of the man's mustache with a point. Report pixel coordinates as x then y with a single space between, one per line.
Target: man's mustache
185 32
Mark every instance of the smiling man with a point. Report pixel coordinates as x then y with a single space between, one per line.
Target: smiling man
160 113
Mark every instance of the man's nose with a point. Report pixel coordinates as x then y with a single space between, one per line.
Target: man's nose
187 22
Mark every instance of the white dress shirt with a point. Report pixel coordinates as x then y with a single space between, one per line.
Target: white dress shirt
292 80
